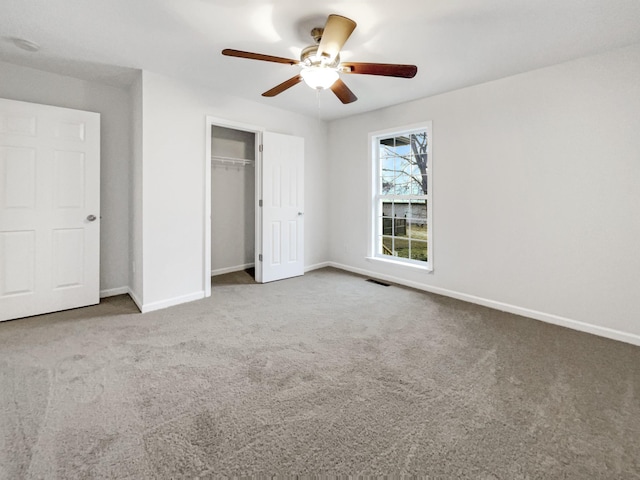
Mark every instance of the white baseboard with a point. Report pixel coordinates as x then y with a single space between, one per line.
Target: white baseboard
135 299
505 307
156 305
111 292
317 266
150 307
237 268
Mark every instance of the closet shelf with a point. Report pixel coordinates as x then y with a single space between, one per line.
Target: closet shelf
218 160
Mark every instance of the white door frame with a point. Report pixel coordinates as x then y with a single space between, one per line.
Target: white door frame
258 131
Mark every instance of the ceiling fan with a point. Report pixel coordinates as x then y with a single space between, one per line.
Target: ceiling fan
320 63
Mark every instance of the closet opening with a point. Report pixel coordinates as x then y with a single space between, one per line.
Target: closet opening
233 151
254 203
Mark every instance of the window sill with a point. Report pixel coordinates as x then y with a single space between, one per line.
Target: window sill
426 268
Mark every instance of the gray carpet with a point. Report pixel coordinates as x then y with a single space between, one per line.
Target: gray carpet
325 374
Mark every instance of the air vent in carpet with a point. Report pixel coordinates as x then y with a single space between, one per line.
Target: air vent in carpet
377 282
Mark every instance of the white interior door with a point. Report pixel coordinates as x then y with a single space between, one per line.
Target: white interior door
282 182
49 209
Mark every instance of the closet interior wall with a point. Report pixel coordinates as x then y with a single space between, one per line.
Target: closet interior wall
232 200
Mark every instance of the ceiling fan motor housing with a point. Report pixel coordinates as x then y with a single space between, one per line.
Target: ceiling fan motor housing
310 58
316 33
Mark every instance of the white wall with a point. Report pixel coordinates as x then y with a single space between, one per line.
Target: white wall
536 193
173 186
30 85
233 214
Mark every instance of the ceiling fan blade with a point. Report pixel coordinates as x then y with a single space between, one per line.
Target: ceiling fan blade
336 32
258 56
384 69
343 92
283 86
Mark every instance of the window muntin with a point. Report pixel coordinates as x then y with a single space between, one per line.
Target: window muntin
402 218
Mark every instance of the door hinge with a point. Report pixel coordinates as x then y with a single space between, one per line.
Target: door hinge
261 148
259 203
260 257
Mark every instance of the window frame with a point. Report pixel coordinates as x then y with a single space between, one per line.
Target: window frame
375 225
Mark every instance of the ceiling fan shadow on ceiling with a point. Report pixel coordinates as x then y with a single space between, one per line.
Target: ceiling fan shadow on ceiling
320 63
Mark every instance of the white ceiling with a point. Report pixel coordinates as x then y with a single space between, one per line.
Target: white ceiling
454 43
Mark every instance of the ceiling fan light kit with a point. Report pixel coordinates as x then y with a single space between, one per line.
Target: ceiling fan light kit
320 63
319 78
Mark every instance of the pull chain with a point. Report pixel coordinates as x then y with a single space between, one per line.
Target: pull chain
318 101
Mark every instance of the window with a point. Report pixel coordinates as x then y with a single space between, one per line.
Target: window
401 211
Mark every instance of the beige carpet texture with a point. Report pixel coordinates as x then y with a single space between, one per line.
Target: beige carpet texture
325 374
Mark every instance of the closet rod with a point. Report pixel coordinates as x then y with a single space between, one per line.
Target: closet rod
231 160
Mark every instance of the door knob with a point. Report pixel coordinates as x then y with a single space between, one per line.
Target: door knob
300 214
91 218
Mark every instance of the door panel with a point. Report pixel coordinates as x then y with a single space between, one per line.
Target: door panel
283 206
18 170
68 257
67 130
68 179
16 123
50 181
293 243
276 229
17 254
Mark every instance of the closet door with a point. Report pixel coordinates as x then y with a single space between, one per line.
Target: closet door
282 211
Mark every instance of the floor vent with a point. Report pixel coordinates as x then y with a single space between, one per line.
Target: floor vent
377 282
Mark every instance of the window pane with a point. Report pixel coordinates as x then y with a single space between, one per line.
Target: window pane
417 220
418 211
420 150
387 226
413 179
385 217
395 167
400 208
390 146
387 175
416 185
417 229
403 146
401 176
400 227
419 142
387 208
387 246
419 250
424 159
401 246
386 152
